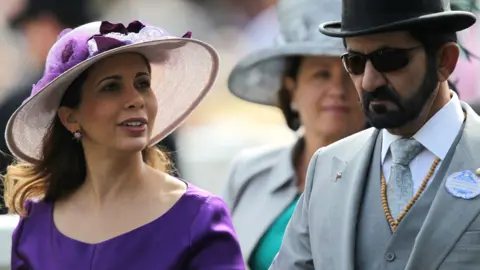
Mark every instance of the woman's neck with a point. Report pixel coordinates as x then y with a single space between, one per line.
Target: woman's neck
110 176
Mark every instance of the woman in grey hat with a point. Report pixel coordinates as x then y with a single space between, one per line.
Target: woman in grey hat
304 77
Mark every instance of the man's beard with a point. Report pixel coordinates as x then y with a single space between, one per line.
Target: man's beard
408 108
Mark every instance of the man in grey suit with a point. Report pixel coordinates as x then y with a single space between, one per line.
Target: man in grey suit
403 194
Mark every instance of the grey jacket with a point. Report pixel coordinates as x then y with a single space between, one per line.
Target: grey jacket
321 234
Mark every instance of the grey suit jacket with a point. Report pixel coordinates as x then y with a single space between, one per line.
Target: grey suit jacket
321 233
260 186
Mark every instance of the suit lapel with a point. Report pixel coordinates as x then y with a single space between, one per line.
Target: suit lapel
268 203
449 216
346 191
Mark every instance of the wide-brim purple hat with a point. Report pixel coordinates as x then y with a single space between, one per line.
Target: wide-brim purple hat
183 71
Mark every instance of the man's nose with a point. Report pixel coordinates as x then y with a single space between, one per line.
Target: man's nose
372 79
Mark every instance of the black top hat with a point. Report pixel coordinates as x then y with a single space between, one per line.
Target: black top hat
362 17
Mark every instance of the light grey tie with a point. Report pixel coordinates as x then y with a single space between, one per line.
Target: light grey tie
400 182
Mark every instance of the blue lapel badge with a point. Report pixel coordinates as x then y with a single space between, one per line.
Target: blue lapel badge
464 184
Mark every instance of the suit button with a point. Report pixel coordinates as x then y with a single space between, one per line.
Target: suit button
390 257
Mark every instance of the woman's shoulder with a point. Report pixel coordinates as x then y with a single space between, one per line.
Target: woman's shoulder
208 207
35 223
261 156
37 216
36 208
199 202
251 162
212 231
199 198
256 164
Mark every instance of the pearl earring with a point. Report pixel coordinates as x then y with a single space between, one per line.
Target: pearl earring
77 135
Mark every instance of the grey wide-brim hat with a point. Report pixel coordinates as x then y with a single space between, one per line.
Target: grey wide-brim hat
258 77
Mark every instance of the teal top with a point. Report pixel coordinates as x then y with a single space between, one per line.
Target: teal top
268 246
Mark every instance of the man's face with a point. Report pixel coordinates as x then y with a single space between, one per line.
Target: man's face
393 84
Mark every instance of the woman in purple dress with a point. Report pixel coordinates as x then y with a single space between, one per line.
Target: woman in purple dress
92 189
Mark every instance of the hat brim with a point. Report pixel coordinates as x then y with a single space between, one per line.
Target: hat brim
449 21
258 77
183 71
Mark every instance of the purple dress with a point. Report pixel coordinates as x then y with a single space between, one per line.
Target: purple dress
196 233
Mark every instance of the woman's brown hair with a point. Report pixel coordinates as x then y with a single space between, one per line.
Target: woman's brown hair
285 97
62 169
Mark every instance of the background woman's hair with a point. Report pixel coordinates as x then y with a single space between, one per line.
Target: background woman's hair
62 170
285 97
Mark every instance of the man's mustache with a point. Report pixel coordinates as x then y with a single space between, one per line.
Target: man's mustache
382 93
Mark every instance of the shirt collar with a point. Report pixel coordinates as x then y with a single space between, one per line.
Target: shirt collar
447 122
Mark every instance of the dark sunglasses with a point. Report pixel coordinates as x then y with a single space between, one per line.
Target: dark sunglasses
383 60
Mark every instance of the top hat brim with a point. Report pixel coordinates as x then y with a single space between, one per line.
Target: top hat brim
449 21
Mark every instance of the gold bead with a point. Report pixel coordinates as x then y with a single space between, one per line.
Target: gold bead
388 215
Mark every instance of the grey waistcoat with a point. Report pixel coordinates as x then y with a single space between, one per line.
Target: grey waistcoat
376 247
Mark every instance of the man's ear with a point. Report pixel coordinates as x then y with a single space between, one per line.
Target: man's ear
447 57
67 117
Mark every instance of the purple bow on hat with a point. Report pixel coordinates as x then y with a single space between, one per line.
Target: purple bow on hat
79 48
108 27
105 43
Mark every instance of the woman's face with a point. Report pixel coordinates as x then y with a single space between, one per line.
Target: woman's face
325 98
118 107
